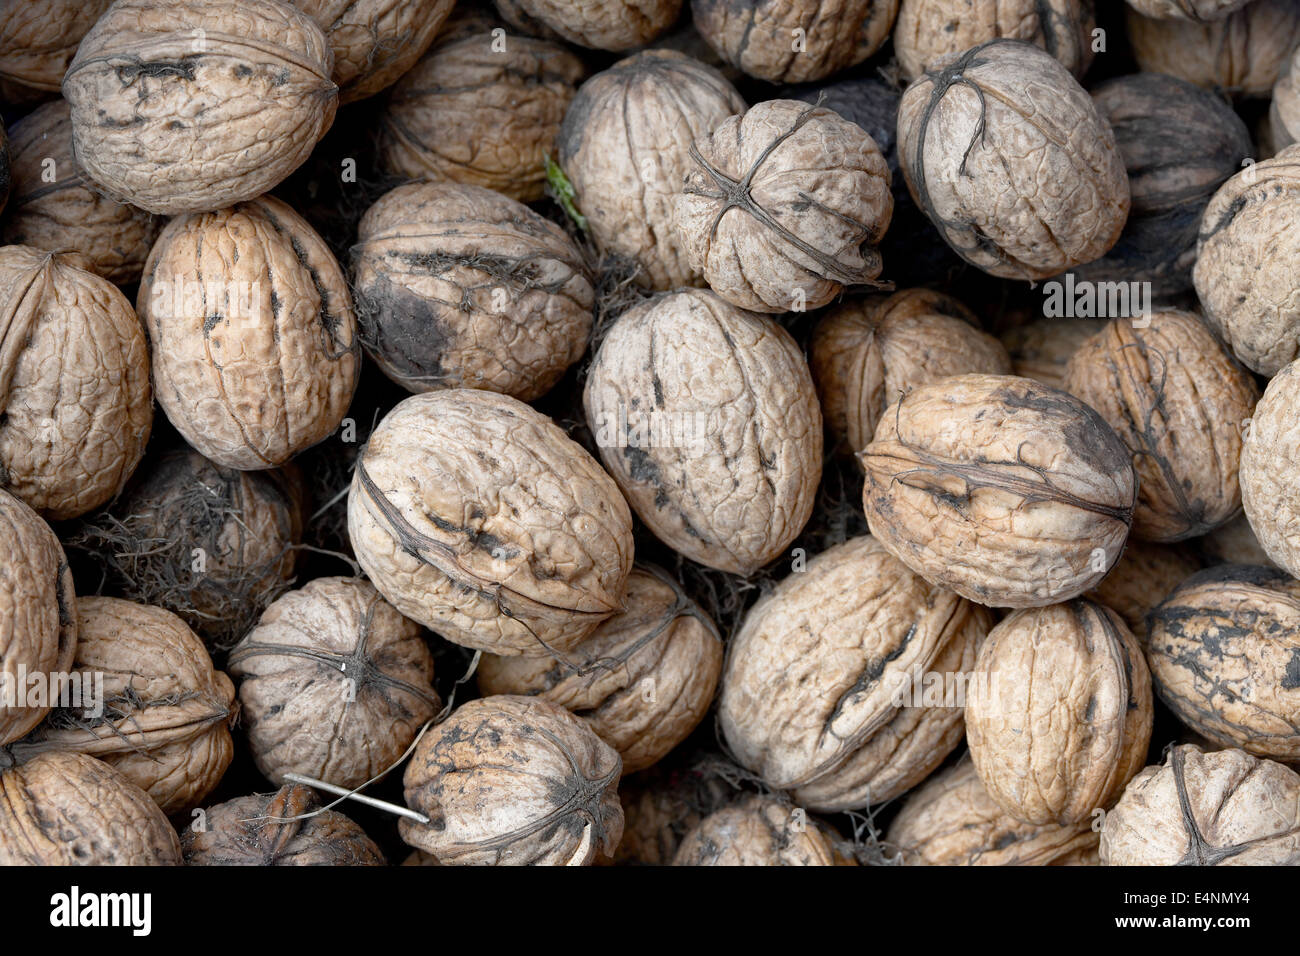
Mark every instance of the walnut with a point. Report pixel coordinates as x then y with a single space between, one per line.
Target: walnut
950 820
1059 712
478 517
175 111
38 616
285 828
1020 189
1224 649
474 112
513 780
375 41
1268 467
254 341
333 683
1197 10
784 207
1206 809
38 40
794 42
67 809
1247 255
642 681
458 286
1179 401
661 806
707 418
68 212
762 831
1144 575
824 692
1284 111
1233 543
1241 53
625 147
1007 491
165 714
602 24
867 353
929 30
1041 350
77 405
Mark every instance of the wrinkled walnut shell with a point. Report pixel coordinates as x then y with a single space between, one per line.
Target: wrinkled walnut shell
1284 111
1197 10
1268 469
1145 574
602 24
1042 349
762 831
661 806
38 40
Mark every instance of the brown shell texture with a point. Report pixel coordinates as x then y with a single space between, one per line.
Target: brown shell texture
1020 188
477 113
1248 255
285 828
254 340
67 809
74 384
707 418
1233 543
375 41
38 40
798 42
183 106
333 683
481 519
869 352
1268 470
1059 712
950 820
460 287
1041 350
1224 650
598 24
1196 10
38 615
1144 575
1007 491
823 688
1180 403
510 781
642 681
1225 808
1284 111
1242 53
761 831
165 715
661 806
68 212
784 207
929 30
625 147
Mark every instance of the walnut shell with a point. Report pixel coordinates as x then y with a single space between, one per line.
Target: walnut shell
642 681
475 112
375 41
67 212
38 40
1284 111
478 517
1007 491
1247 257
458 286
254 340
794 42
1197 10
1233 543
1179 144
707 418
602 24
260 830
1179 402
165 712
814 204
78 409
1059 712
761 831
67 809
176 111
823 688
661 807
333 683
1268 469
929 30
867 353
1041 350
1144 575
1224 650
950 820
1206 809
1242 53
513 780
4 167
38 616
1021 190
625 147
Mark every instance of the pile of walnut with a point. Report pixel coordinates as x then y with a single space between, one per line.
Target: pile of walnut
649 432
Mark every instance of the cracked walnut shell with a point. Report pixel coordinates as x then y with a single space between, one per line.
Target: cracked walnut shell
1268 469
